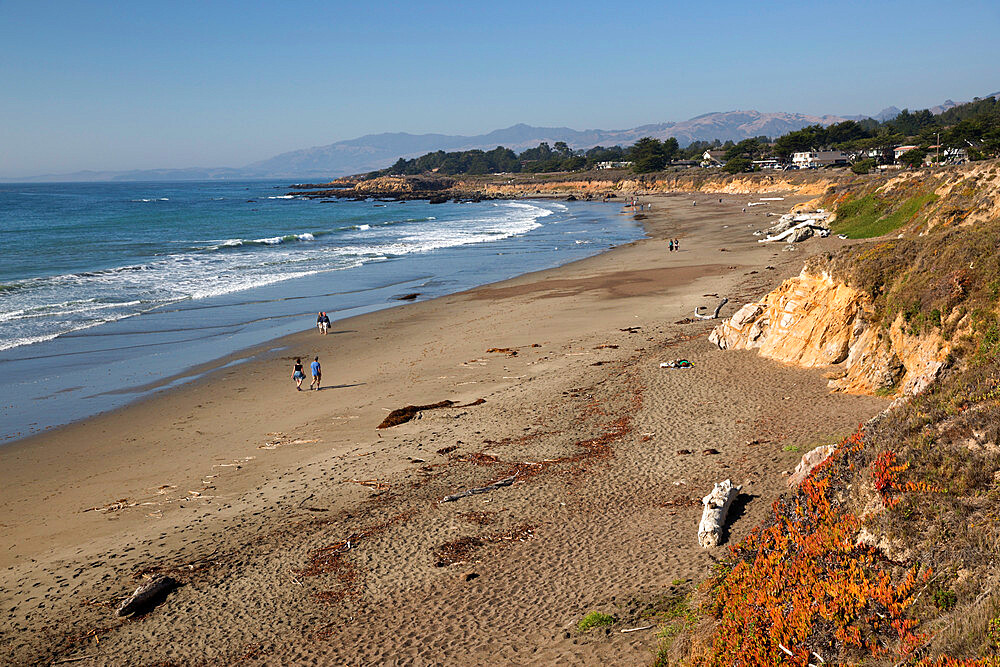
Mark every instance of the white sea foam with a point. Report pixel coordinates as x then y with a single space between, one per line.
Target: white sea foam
282 197
27 340
242 283
12 315
64 309
363 227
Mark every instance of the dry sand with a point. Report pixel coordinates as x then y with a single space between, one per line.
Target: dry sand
236 484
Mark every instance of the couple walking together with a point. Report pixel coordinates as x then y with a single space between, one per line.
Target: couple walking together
298 374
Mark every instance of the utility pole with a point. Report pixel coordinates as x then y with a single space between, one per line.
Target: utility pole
938 142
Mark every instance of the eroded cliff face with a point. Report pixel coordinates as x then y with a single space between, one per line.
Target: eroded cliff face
813 320
719 184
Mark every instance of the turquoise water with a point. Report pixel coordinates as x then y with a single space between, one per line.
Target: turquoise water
108 288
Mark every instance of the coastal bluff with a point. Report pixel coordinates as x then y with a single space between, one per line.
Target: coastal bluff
814 320
586 185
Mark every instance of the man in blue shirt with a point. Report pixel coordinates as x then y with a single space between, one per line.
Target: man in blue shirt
316 371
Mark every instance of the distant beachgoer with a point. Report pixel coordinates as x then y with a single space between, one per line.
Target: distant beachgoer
694 203
316 373
298 374
677 244
324 323
319 322
671 245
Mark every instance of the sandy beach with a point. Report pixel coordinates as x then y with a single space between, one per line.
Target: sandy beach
301 534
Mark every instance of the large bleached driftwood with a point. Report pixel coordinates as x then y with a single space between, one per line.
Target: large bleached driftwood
718 309
713 518
145 595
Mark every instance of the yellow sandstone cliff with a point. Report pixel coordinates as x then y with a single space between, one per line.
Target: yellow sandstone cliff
813 320
719 184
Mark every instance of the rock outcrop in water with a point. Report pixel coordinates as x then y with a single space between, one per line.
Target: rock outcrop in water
813 320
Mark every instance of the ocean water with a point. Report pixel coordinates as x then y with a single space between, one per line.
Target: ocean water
109 291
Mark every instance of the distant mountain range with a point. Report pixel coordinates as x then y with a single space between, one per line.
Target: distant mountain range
377 151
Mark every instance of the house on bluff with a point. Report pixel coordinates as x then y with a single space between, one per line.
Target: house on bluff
813 159
713 158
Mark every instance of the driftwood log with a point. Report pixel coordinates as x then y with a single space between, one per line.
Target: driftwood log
146 595
403 415
715 316
713 517
507 481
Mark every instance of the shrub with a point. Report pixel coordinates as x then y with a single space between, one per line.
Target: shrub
595 619
944 599
863 166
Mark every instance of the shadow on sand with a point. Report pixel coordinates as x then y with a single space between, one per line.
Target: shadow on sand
342 386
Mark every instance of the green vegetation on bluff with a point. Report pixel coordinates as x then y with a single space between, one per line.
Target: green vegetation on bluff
871 216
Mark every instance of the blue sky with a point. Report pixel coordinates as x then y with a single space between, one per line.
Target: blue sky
125 85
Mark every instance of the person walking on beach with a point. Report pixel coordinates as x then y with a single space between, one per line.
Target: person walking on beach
677 244
316 373
298 374
324 323
671 245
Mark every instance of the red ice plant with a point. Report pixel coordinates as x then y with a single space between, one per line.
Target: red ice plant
800 583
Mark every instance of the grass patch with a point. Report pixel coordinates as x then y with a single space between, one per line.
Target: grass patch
792 448
678 615
870 216
595 619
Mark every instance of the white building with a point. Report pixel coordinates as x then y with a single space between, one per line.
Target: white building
899 151
946 155
614 165
807 159
713 158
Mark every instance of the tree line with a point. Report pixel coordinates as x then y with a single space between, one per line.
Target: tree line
974 127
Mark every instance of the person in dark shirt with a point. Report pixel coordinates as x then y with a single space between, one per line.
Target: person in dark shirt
298 374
